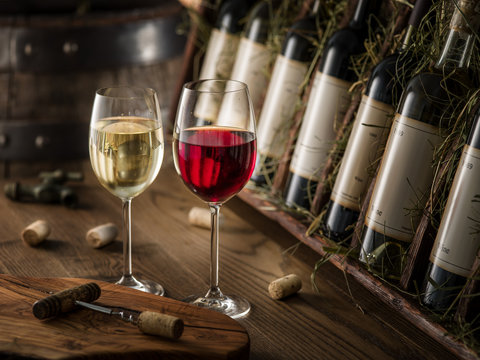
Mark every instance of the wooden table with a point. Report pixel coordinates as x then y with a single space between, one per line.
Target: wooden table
325 324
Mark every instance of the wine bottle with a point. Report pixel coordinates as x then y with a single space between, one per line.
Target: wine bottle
369 133
458 238
253 57
224 39
220 54
406 170
284 89
326 107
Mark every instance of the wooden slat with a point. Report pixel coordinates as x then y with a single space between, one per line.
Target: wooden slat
379 288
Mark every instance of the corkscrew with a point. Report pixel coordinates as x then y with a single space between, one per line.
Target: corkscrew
148 322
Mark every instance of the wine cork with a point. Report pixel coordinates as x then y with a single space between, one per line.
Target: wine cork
202 217
64 301
36 232
285 286
102 235
155 323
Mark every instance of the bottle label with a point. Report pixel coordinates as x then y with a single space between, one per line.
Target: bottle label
217 64
251 67
220 55
369 134
458 238
326 108
404 178
279 106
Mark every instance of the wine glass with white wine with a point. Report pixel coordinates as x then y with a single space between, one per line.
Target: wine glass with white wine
126 153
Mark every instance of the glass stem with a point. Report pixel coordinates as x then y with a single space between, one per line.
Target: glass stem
127 237
214 291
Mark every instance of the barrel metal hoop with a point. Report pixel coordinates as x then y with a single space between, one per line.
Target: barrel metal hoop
29 140
96 46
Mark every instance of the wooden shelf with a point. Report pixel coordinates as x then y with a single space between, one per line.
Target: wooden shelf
400 302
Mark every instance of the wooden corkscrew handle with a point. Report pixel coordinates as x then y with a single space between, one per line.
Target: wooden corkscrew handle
64 301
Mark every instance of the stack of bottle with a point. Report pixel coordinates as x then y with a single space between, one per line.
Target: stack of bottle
404 117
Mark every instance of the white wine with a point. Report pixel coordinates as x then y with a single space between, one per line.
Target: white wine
126 154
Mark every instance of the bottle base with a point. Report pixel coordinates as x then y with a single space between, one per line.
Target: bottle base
339 222
441 288
299 191
265 170
382 253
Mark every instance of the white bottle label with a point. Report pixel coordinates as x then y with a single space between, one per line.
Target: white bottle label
326 108
220 55
251 67
217 64
404 179
458 238
279 106
369 134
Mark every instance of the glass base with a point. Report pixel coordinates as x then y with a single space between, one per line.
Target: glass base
233 306
148 286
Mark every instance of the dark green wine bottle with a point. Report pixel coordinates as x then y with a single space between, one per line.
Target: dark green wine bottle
458 237
369 133
327 104
283 92
252 62
224 39
406 172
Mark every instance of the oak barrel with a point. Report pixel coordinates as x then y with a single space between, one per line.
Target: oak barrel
53 58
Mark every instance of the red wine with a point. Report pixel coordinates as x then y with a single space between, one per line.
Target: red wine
327 104
424 112
458 238
284 90
214 162
369 133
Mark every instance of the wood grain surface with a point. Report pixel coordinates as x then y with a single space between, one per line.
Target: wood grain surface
89 334
340 320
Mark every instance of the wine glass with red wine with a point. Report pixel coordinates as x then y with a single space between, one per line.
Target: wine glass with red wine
214 147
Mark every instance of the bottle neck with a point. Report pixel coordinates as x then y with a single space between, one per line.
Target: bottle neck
457 51
359 18
411 30
419 11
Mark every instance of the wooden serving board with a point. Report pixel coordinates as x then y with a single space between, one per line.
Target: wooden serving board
88 334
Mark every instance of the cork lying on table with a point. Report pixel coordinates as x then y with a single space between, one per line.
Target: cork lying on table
102 235
284 286
202 217
35 233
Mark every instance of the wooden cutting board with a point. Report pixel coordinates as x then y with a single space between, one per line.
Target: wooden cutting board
88 334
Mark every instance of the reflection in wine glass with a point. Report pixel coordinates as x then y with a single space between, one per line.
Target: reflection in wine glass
126 153
214 147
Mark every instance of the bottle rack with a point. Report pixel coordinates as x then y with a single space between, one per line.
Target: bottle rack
417 258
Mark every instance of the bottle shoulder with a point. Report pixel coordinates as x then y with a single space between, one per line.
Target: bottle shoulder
257 26
382 81
230 14
298 43
427 97
336 56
